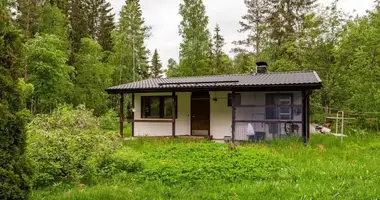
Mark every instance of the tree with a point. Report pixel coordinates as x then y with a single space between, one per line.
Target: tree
292 27
244 62
221 63
130 57
101 22
357 70
46 59
27 16
172 70
195 46
254 22
79 26
14 168
93 77
63 5
156 68
52 21
106 26
286 18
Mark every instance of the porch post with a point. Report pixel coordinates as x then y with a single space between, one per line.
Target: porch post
133 114
308 116
174 103
304 116
233 116
121 115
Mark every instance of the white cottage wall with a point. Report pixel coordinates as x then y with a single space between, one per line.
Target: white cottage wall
220 115
164 129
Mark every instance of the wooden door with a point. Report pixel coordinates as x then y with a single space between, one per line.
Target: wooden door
200 114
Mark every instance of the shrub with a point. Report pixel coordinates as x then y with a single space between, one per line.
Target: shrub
66 146
109 121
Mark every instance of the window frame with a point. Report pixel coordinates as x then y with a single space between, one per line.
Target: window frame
229 99
161 107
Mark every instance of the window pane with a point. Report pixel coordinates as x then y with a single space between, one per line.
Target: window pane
168 107
237 99
155 107
151 107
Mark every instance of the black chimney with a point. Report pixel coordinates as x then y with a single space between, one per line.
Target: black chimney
261 67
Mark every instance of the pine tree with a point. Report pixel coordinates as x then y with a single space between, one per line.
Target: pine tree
254 22
195 46
78 23
156 68
130 58
219 57
14 168
27 16
106 26
287 17
101 22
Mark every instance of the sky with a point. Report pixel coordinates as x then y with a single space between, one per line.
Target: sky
163 17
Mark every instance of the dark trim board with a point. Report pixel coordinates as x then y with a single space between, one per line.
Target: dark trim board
273 88
147 120
122 115
133 114
174 112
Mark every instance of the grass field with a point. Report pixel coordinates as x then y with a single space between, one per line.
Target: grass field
187 169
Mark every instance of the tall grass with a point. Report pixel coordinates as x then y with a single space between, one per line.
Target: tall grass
326 168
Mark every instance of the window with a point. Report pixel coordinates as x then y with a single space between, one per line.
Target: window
157 107
237 99
279 106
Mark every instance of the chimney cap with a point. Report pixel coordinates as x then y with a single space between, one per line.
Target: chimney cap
261 63
261 67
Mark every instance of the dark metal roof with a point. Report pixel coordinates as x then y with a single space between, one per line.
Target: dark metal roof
224 82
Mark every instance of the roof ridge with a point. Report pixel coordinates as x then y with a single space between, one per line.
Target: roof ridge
220 75
224 75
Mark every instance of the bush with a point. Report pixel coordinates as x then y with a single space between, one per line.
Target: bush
67 146
109 121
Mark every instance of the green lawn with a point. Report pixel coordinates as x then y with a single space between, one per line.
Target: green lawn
187 169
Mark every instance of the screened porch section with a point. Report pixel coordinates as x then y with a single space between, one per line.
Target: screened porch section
268 115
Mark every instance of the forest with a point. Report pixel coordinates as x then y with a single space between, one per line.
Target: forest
57 57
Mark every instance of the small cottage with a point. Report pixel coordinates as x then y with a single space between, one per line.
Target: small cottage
239 107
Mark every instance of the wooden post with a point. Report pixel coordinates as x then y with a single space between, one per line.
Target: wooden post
308 117
133 114
121 115
233 116
304 116
174 103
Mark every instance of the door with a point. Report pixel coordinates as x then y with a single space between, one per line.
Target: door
200 114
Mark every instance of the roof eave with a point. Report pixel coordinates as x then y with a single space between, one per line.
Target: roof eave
294 87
